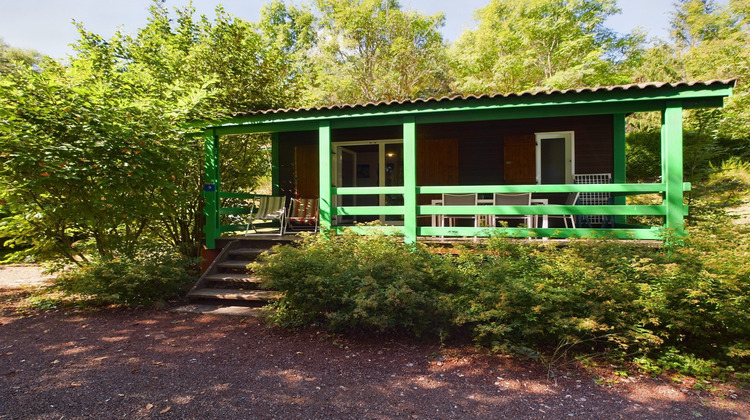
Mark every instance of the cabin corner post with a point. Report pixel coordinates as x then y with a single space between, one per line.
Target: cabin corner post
672 166
619 149
324 156
212 228
410 180
275 184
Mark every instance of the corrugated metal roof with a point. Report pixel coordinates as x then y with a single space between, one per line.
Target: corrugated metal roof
528 93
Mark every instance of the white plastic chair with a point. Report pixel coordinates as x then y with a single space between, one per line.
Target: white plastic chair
268 208
303 211
523 199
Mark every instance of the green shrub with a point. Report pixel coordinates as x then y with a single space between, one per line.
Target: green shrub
371 283
152 276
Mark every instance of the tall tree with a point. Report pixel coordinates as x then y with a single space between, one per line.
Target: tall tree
533 44
94 157
11 57
373 50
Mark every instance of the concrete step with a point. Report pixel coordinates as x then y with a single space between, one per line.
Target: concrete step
231 294
234 278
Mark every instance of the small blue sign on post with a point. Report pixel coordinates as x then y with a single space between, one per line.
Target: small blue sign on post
209 187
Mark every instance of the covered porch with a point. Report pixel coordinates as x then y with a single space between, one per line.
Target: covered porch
396 162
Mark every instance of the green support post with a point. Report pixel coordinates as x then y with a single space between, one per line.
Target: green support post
410 180
275 186
324 163
212 228
618 176
672 165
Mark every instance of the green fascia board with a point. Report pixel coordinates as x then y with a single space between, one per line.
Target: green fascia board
472 109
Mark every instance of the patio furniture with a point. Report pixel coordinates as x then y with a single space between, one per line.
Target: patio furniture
594 199
570 200
267 208
523 199
302 212
458 200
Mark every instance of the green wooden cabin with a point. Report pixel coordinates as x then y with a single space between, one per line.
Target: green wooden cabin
391 161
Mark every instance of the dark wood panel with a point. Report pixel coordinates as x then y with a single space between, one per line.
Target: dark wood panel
306 174
519 159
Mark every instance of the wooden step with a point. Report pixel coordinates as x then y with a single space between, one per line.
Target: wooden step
229 294
234 278
247 253
234 264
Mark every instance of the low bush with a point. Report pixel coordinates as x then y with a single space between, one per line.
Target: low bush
660 305
151 276
355 282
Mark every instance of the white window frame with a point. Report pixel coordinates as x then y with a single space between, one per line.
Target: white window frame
570 166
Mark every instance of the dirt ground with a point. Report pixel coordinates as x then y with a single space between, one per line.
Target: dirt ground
160 364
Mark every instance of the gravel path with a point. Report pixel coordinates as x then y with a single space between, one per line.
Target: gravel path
159 364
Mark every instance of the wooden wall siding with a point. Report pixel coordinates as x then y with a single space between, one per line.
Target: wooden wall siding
306 176
462 153
593 137
480 161
519 159
288 147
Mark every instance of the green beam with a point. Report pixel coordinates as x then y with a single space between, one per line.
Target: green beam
619 164
368 210
275 183
324 164
371 230
246 196
672 166
646 233
552 209
211 190
410 180
367 190
550 188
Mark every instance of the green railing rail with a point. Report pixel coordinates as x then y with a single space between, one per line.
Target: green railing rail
617 189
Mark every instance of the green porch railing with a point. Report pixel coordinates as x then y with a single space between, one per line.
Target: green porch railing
619 189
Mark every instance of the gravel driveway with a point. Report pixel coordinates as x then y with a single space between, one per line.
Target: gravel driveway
159 364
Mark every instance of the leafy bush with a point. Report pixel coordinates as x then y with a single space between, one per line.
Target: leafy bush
662 304
352 282
149 277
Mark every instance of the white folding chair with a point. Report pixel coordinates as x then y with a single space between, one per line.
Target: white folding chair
303 211
268 208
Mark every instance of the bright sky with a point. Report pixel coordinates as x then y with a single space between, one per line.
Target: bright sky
46 25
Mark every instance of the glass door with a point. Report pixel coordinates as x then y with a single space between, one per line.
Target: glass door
375 163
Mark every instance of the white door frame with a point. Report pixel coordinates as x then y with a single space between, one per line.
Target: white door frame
570 166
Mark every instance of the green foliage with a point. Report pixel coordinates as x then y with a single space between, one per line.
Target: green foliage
662 305
371 283
372 50
151 276
521 45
